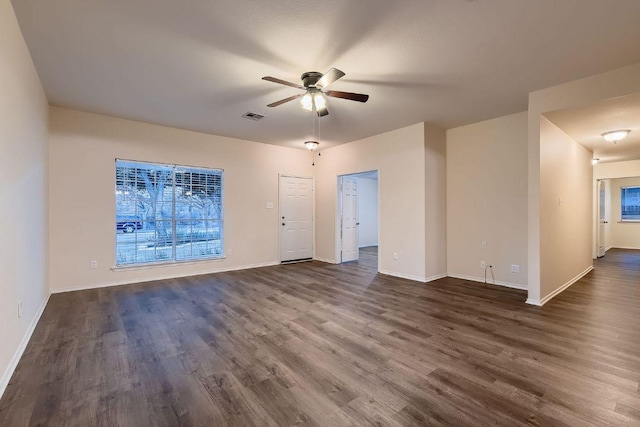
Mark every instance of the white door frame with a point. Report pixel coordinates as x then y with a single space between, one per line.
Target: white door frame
313 212
601 219
338 228
352 222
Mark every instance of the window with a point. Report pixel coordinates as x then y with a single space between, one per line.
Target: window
167 213
630 209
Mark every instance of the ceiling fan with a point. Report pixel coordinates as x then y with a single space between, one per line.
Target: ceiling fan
314 85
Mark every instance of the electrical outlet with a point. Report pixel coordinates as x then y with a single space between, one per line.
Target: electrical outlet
483 264
269 205
395 256
228 253
94 263
19 309
515 268
484 243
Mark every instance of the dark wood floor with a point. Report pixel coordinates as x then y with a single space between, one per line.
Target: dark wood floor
332 345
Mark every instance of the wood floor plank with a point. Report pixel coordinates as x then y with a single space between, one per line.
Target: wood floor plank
334 345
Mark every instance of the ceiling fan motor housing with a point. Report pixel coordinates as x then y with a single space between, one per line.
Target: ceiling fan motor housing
310 78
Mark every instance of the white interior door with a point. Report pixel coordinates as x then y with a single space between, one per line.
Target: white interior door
296 218
602 221
349 219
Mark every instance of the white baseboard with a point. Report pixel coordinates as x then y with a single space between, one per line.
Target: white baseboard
327 260
635 248
404 276
436 277
170 276
548 298
6 376
481 280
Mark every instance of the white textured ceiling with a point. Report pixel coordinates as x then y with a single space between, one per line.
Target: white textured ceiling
587 124
198 64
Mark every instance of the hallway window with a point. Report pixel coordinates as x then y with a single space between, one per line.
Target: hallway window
630 209
167 213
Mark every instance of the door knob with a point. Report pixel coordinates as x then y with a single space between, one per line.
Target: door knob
283 224
357 223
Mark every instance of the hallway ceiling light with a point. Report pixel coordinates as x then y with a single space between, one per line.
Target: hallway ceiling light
616 135
595 161
311 145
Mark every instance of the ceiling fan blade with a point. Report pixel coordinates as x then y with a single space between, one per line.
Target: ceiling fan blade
329 77
282 101
282 82
347 95
323 112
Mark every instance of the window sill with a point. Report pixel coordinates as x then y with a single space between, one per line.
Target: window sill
164 264
629 221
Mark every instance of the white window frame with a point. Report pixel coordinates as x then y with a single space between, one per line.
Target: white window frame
174 218
622 190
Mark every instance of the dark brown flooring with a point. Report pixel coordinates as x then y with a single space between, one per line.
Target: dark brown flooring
332 345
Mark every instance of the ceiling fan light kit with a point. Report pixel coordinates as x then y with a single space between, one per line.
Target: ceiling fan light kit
616 135
313 100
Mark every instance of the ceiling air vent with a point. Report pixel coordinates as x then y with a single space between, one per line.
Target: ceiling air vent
253 116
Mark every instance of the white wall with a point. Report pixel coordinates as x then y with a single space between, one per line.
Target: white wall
577 93
399 158
367 212
435 210
23 194
622 234
566 201
487 199
83 148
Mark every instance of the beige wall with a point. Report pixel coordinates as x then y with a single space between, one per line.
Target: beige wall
435 183
622 234
566 207
487 199
83 148
617 169
23 195
399 158
581 92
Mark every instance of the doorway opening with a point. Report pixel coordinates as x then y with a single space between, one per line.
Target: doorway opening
358 217
603 214
617 218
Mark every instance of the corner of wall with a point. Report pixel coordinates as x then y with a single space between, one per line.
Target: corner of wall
435 159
